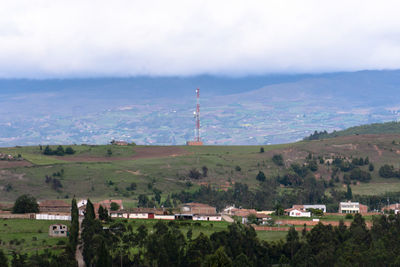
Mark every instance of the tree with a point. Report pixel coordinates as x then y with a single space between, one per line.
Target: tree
157 195
261 176
47 150
26 204
371 167
189 234
218 259
278 159
59 151
194 174
69 150
143 200
349 194
3 259
279 211
292 240
205 171
103 213
132 187
74 229
114 206
387 171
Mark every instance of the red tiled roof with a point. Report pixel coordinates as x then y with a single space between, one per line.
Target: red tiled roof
196 204
53 203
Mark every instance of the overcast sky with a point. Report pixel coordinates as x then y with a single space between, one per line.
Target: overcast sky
68 38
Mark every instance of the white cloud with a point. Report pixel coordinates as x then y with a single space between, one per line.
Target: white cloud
128 37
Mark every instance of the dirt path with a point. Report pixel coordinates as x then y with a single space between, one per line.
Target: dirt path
79 248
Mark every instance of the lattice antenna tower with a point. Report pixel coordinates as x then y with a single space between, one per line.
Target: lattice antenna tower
197 117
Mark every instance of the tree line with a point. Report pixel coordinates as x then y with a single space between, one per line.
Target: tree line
165 244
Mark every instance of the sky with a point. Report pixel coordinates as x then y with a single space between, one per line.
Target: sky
69 38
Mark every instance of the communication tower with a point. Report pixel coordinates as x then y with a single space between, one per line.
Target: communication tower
197 140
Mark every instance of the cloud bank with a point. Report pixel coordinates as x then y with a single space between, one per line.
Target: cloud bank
44 38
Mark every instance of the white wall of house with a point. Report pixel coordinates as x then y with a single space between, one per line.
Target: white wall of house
213 218
138 216
43 216
164 217
299 213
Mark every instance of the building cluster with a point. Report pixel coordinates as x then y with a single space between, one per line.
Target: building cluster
344 208
188 211
60 210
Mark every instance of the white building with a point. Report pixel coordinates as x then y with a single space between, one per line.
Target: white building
298 213
349 207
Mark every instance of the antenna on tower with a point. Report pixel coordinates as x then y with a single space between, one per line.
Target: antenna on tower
197 140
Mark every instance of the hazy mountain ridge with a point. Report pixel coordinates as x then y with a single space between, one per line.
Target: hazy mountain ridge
242 110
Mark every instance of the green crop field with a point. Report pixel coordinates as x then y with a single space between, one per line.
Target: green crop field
29 236
91 172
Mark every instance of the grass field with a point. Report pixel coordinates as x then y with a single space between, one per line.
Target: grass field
29 236
206 228
90 172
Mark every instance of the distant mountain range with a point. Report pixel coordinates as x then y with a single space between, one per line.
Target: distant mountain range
159 110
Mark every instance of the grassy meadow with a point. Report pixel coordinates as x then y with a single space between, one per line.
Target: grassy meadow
29 236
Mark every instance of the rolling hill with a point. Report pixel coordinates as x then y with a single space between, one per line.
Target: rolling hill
93 172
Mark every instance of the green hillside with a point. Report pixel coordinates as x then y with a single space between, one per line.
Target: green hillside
167 175
375 128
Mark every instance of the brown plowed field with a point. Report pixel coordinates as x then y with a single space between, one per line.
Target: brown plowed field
140 153
4 164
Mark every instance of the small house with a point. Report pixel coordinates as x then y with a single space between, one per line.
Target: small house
297 213
58 230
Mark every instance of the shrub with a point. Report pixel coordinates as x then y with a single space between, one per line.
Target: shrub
360 175
194 174
261 176
349 216
387 171
278 159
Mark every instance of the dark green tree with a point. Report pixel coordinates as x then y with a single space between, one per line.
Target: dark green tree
371 167
349 193
59 151
47 150
74 229
69 150
3 259
26 204
114 206
261 176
